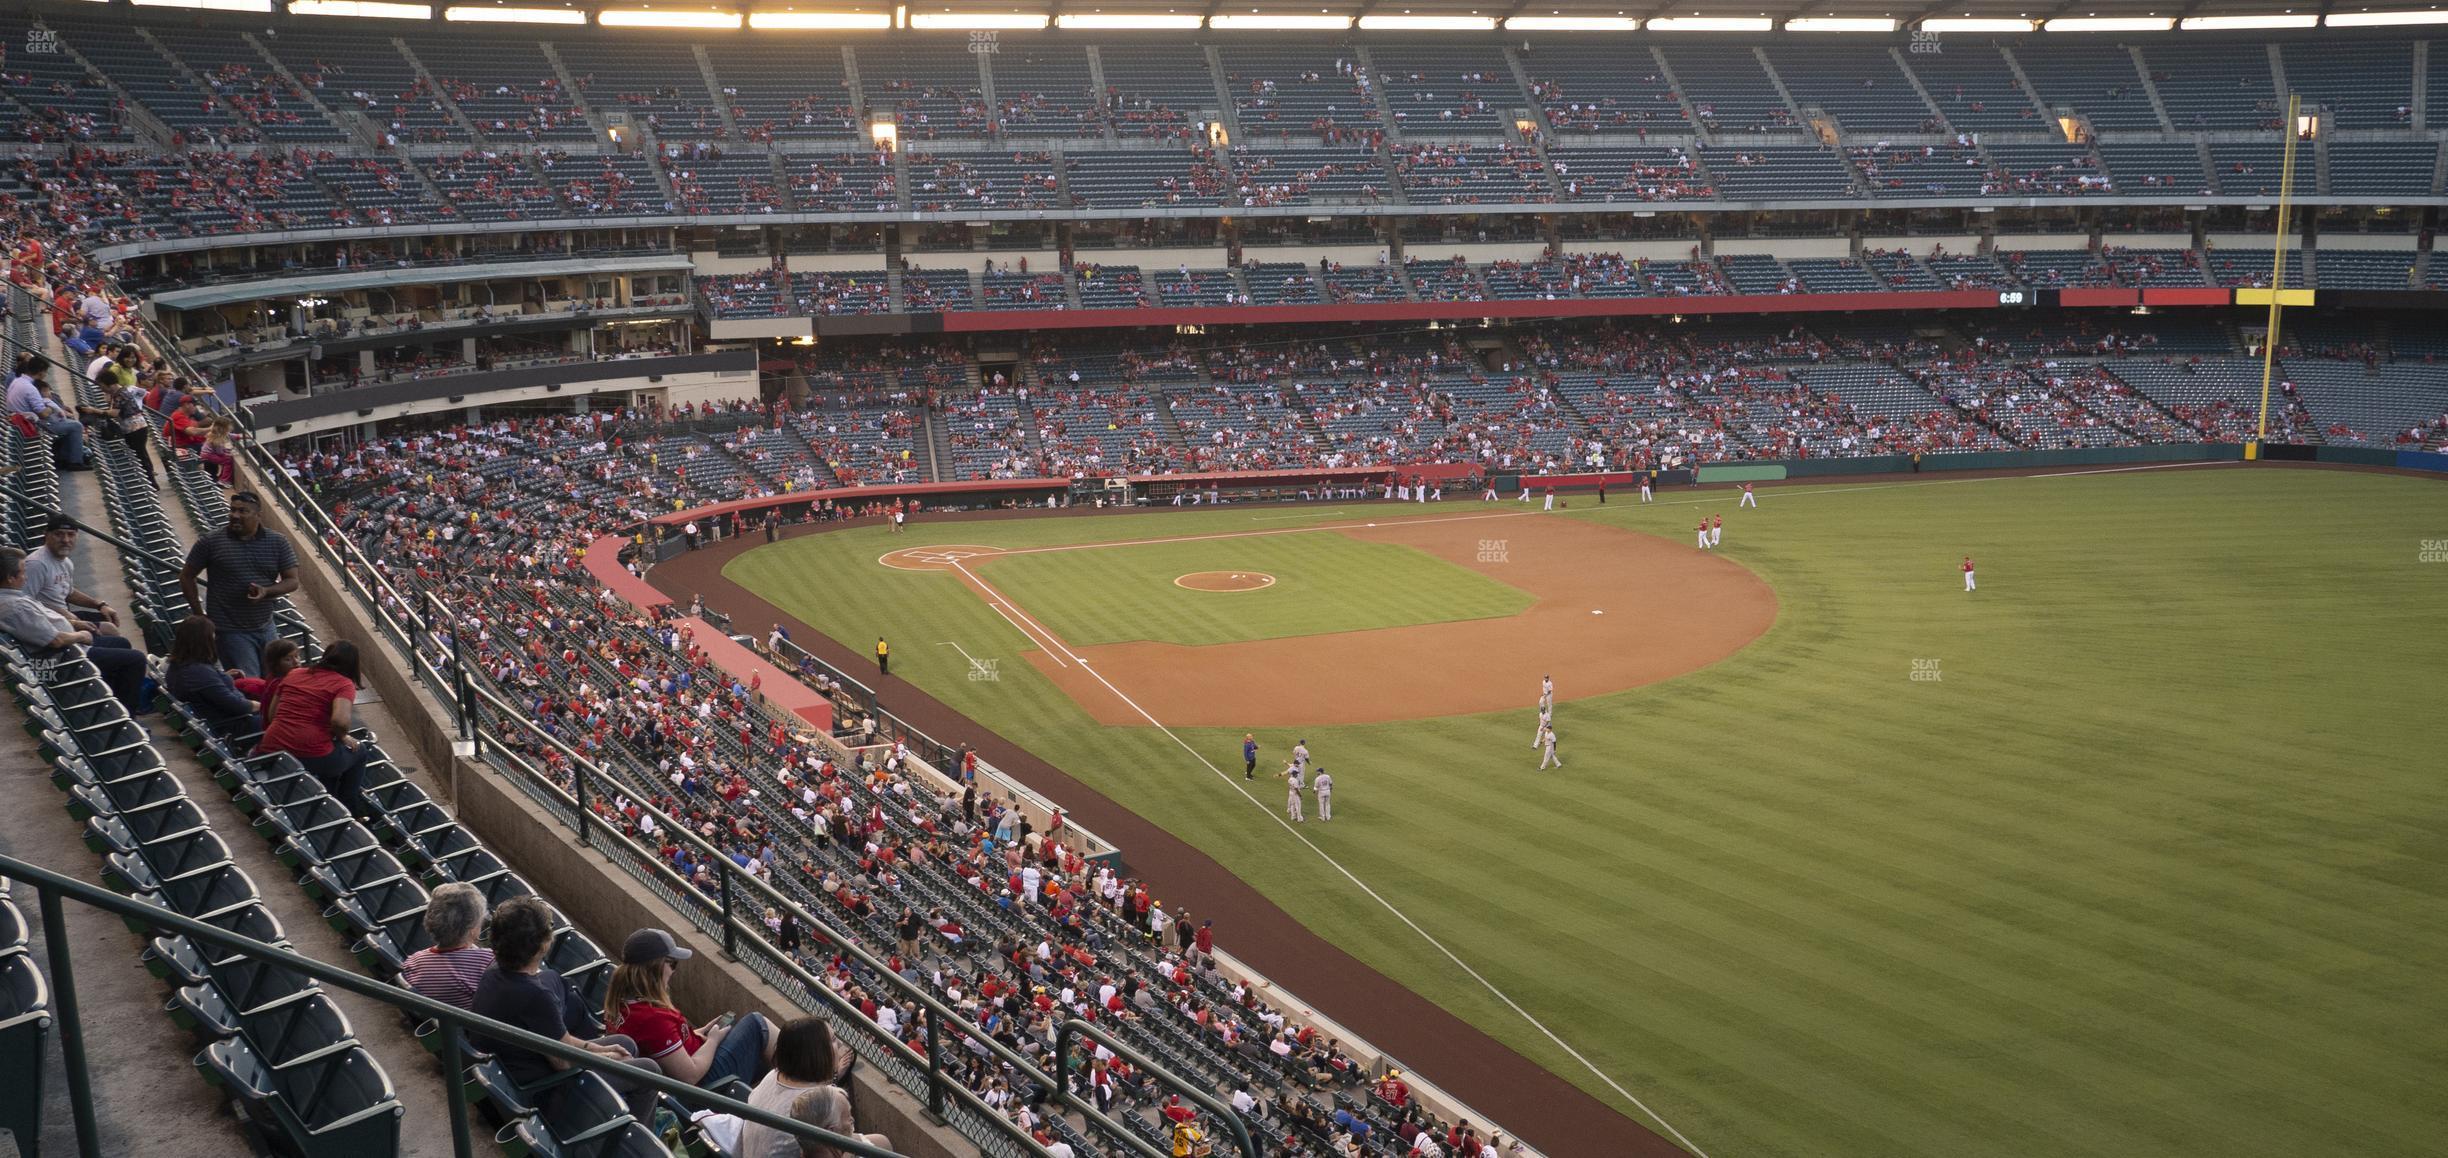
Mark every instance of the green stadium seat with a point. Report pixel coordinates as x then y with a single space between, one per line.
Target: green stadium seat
336 1105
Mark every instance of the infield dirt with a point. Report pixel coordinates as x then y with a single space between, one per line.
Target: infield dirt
1615 610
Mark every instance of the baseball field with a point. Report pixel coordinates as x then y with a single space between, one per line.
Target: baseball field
2139 849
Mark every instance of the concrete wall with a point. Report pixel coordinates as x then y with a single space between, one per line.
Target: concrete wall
1637 250
2030 241
1961 243
1477 253
1152 260
1781 247
2382 242
1040 260
1308 255
2260 242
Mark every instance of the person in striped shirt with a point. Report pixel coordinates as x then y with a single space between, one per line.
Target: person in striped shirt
448 970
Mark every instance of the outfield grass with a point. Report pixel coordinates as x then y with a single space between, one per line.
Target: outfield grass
2155 866
1323 583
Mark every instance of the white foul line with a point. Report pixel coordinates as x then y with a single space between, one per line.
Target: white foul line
995 600
1362 885
964 651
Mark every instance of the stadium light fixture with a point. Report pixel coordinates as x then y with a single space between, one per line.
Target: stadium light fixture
834 21
1325 22
1571 24
1103 21
369 9
1428 23
978 21
666 18
1841 24
214 5
1711 24
1974 24
2111 24
2383 19
479 14
2223 23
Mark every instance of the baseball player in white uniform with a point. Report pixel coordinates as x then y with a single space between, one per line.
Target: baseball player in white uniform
1546 720
1748 499
1488 495
1644 487
1716 530
1300 756
1704 534
1547 740
1546 691
1292 799
1323 784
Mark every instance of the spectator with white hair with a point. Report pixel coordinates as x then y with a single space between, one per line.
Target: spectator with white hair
449 970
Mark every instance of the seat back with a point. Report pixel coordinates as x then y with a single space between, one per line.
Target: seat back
25 1030
338 1104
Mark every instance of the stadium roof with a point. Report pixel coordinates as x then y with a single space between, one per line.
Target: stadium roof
1663 17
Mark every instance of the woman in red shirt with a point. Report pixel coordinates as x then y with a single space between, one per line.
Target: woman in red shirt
638 1005
313 712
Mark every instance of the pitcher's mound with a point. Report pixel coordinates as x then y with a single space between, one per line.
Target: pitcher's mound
1226 581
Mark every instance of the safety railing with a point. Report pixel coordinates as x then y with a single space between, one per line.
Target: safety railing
51 888
1087 1108
480 715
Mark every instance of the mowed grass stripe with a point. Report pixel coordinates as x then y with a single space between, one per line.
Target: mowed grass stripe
1755 913
2145 871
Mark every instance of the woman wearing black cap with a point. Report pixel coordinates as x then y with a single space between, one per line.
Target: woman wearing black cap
638 1005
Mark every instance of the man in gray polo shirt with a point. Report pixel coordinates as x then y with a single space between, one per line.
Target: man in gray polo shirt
250 567
42 631
51 580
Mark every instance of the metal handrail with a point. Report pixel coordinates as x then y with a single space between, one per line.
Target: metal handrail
17 493
400 618
52 886
1087 1107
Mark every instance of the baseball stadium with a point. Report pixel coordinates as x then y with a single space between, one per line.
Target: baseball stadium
731 579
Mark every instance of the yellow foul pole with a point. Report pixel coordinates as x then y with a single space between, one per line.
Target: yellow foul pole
2278 269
